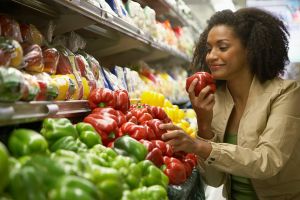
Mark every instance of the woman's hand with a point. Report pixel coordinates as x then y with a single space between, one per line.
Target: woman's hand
180 141
203 105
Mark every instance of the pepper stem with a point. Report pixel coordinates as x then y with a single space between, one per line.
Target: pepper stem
102 105
111 135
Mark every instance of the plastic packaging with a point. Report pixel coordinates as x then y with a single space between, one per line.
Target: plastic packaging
191 189
32 88
48 88
11 53
51 57
85 71
31 34
12 85
65 85
10 28
67 65
33 58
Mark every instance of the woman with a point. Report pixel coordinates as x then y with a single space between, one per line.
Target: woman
249 129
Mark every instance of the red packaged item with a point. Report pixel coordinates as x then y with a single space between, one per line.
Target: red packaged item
93 64
32 88
51 57
85 71
10 28
31 34
33 58
48 88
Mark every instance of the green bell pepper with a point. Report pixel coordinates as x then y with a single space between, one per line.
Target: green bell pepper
56 128
128 146
146 193
129 170
108 181
4 167
152 175
70 161
25 184
75 188
25 142
47 170
87 134
104 152
68 143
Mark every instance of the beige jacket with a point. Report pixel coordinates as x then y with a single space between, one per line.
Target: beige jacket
268 150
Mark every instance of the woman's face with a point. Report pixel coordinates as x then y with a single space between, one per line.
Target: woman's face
226 56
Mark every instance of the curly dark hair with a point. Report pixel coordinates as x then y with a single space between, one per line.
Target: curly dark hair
264 35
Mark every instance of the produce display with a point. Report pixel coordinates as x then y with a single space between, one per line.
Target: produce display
113 150
115 153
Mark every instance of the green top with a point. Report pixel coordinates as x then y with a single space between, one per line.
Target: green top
241 188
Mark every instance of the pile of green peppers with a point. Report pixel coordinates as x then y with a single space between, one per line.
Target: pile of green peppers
66 161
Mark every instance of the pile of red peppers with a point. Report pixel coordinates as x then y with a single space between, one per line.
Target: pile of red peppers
112 116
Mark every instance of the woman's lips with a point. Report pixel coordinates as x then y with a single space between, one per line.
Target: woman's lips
215 67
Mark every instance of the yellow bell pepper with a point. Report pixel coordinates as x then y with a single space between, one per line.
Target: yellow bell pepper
86 88
152 98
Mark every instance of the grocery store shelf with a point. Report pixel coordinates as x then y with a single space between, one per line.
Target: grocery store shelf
164 10
110 39
24 112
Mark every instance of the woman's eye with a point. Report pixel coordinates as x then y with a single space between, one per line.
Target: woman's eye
223 48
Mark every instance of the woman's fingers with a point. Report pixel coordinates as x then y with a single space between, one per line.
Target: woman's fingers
170 135
204 92
191 89
169 126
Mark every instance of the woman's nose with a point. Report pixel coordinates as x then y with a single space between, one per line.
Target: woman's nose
212 55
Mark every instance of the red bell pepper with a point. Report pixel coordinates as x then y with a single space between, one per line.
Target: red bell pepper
165 148
150 133
117 115
154 154
131 118
204 79
156 157
175 170
154 125
191 158
107 111
122 101
141 114
137 132
148 144
101 97
121 119
105 126
158 113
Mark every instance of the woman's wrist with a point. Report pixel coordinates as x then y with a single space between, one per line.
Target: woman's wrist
204 148
205 132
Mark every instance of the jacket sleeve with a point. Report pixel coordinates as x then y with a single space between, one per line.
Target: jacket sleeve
276 142
210 175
